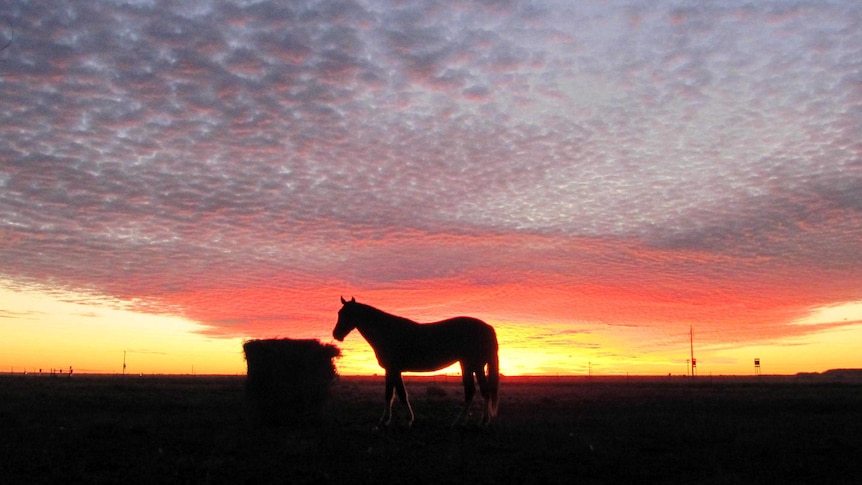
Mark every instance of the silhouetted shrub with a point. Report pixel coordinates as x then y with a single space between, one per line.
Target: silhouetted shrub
288 380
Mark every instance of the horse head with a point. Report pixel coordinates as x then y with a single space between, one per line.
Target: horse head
346 320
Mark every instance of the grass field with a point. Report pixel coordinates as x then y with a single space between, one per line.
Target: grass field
641 430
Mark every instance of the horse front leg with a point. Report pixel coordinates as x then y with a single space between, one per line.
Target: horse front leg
388 399
402 394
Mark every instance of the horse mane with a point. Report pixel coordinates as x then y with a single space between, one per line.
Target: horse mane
376 314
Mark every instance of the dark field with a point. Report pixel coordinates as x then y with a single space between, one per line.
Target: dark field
639 430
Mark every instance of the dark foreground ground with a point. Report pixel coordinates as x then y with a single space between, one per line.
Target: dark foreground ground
196 430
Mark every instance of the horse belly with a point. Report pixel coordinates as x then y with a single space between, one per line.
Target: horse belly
421 359
427 365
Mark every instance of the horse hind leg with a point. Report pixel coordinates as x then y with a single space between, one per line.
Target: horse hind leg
485 390
469 392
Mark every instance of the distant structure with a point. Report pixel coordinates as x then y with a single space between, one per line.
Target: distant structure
691 346
757 366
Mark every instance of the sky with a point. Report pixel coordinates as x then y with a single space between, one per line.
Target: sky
600 181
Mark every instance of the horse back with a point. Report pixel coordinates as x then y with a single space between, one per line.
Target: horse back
432 346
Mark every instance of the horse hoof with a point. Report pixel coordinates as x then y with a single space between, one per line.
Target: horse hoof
382 425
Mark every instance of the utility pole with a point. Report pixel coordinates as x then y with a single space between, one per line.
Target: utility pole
124 362
691 347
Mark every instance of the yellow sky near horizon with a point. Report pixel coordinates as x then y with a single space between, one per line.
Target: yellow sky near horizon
42 332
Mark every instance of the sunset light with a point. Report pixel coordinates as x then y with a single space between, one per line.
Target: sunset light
44 332
607 184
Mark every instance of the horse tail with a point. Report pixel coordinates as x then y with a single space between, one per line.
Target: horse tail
493 378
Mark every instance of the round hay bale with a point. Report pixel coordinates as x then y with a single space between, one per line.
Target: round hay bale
288 380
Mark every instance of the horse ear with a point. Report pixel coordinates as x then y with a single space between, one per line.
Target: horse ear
353 300
343 301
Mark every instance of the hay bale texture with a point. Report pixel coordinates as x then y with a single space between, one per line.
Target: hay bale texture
288 380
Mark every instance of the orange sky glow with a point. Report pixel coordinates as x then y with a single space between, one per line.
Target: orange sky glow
45 331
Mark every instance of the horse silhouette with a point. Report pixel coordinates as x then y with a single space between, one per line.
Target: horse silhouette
403 345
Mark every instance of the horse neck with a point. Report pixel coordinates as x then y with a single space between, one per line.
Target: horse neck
377 326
